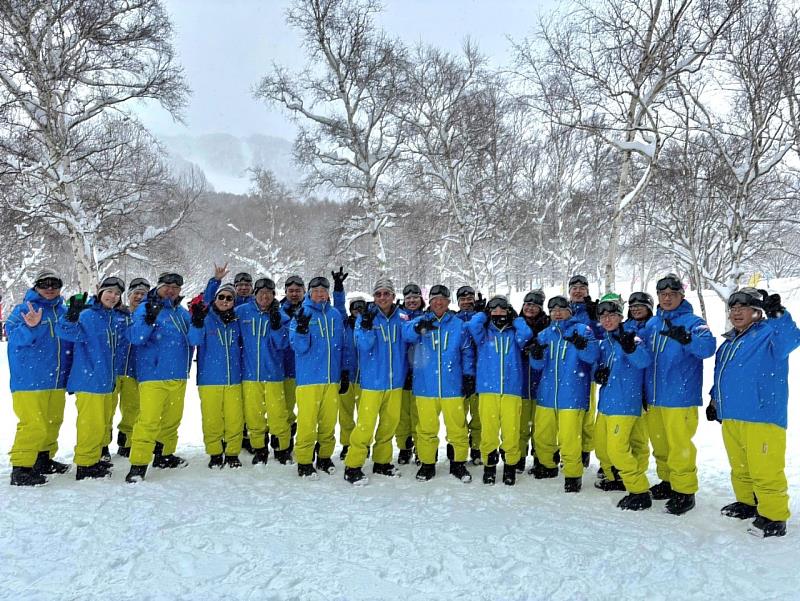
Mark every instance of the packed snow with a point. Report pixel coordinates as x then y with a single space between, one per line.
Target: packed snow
262 533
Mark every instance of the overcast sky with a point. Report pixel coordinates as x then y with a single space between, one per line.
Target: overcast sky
225 46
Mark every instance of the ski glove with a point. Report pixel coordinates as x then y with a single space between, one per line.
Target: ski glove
351 320
534 349
627 340
275 315
344 382
711 412
601 375
198 310
591 307
424 326
366 320
303 321
772 304
409 379
677 333
579 341
77 303
151 310
338 279
480 304
468 385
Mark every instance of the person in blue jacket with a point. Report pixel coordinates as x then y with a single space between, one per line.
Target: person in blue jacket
469 306
444 374
316 334
265 337
294 292
565 353
499 337
160 331
348 402
96 330
382 353
620 435
640 310
413 306
536 319
750 396
678 341
38 362
242 283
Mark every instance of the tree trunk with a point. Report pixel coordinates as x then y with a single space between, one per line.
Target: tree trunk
616 224
84 261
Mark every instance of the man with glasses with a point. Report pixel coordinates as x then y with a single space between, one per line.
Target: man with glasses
444 361
468 306
750 396
39 363
163 358
678 340
413 306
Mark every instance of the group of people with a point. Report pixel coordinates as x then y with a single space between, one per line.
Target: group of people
562 378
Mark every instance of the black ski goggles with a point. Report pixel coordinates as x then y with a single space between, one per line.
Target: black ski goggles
742 298
242 278
113 282
319 282
534 298
412 290
439 290
262 283
578 280
465 291
608 307
294 280
49 284
498 303
359 306
557 302
640 298
669 283
139 283
173 279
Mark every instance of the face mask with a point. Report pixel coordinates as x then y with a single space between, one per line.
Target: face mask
501 321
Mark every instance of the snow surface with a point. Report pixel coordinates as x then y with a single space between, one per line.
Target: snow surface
261 533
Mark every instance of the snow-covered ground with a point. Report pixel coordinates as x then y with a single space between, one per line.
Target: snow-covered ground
261 533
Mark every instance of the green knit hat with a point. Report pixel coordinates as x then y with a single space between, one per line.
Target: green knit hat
610 303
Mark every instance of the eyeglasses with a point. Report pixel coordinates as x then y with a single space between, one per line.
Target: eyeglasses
669 282
138 283
440 290
640 298
465 291
558 302
49 284
242 277
225 297
319 282
171 278
742 298
412 289
534 297
382 293
264 283
294 280
578 280
607 307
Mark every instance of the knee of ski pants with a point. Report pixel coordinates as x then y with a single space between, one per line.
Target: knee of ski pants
31 408
92 425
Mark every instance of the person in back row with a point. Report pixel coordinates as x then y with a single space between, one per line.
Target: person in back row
294 292
469 306
413 306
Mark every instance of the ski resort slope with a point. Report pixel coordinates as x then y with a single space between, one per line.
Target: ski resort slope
260 533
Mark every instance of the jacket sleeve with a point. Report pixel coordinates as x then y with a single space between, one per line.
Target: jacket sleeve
140 332
280 337
467 352
703 343
592 351
18 332
786 335
409 333
197 336
477 327
523 332
640 358
300 343
69 330
364 339
211 290
339 302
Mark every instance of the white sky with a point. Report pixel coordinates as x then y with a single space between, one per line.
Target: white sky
226 46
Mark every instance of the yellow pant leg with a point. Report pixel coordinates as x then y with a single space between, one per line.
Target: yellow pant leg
328 415
31 409
128 405
254 401
588 421
658 439
405 429
173 413
309 398
490 423
545 435
361 439
290 396
510 409
211 398
640 444
680 424
347 409
735 439
233 417
526 425
91 427
388 417
276 412
428 410
619 429
455 423
474 426
601 425
56 399
570 435
153 396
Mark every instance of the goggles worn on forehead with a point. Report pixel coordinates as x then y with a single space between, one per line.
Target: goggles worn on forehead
558 302
174 279
358 305
319 282
465 291
412 290
669 282
294 280
578 280
113 282
242 277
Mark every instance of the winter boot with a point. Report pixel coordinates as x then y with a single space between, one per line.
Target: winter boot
458 469
136 474
740 511
557 458
540 471
355 476
585 457
124 451
404 456
316 450
324 464
261 456
98 470
636 501
105 455
520 465
475 457
232 461
536 465
509 474
679 503
158 449
26 476
284 457
426 472
489 474
122 444
343 454
607 485
216 461
306 470
246 444
274 442
601 475
572 484
766 528
385 469
168 462
45 466
661 491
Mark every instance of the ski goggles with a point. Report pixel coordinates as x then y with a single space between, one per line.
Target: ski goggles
49 284
173 279
439 290
558 302
294 280
465 291
608 307
498 302
640 298
412 290
264 283
113 282
358 305
319 282
578 280
669 282
535 297
745 299
138 283
242 278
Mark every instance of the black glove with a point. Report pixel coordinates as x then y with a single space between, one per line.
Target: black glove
424 326
344 382
772 304
480 303
468 385
77 303
151 310
303 321
290 309
351 320
198 310
711 412
591 307
579 341
627 340
366 320
677 333
601 375
338 279
275 315
534 349
409 379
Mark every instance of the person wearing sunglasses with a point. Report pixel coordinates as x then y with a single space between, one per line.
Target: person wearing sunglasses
499 337
536 319
96 330
383 356
265 338
217 334
160 332
750 397
678 340
242 283
444 374
294 289
39 363
348 402
317 336
468 307
620 436
565 353
412 307
126 393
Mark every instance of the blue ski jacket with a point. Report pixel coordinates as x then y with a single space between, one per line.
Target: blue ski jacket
210 293
382 351
622 394
262 347
126 352
163 350
499 359
219 351
319 355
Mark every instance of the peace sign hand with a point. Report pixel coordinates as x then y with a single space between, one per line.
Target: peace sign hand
33 317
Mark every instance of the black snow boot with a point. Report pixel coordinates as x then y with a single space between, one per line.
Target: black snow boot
404 456
136 474
585 457
541 471
45 466
306 470
739 510
601 475
122 444
216 461
475 457
509 474
661 491
572 484
246 444
355 476
232 461
105 455
345 449
426 472
489 474
324 464
284 457
26 476
535 465
679 503
557 457
520 465
124 451
766 528
261 456
385 469
98 470
274 442
636 502
458 469
608 485
168 462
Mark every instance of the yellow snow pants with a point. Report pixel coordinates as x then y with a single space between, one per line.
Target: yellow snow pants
472 407
265 402
92 426
160 413
409 420
290 396
348 402
222 410
562 429
429 409
127 396
500 415
40 414
671 430
587 444
375 406
526 430
317 408
621 441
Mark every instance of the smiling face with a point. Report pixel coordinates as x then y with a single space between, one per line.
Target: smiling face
412 302
742 317
439 305
319 294
136 297
466 303
639 312
244 289
169 291
224 301
610 321
295 292
560 313
109 298
669 299
384 299
49 289
578 292
531 310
